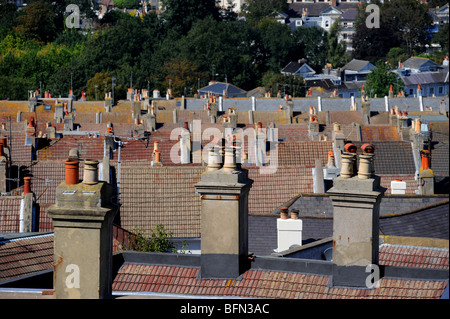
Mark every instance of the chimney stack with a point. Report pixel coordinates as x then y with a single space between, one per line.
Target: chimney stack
426 174
356 204
289 230
82 219
224 227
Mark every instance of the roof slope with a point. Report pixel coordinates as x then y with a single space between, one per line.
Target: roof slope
413 223
263 284
19 257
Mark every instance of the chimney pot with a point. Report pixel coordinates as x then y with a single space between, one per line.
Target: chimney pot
294 213
26 185
350 148
425 159
157 156
72 172
90 176
284 213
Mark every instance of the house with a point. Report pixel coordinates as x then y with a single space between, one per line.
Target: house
222 89
424 77
316 13
439 16
347 22
300 68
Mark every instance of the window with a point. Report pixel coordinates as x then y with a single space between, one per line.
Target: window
298 23
411 91
441 89
431 91
327 23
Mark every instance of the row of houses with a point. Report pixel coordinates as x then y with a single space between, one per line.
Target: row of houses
132 145
420 76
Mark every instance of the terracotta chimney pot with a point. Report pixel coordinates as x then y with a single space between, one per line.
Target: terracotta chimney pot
26 185
294 213
157 156
425 159
72 172
350 148
284 213
368 148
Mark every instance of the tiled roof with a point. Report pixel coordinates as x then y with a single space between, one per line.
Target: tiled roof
9 213
161 195
19 257
410 256
263 284
58 149
375 133
411 183
303 153
269 191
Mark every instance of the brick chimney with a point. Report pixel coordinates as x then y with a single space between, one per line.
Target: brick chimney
82 219
224 217
356 203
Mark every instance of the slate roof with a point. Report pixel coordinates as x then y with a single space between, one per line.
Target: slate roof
392 157
262 284
424 78
412 223
355 65
349 14
417 62
218 88
315 9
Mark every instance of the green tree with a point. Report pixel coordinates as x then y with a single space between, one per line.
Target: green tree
312 43
100 84
179 16
127 4
442 37
403 23
337 54
260 9
396 55
8 17
380 79
277 44
37 22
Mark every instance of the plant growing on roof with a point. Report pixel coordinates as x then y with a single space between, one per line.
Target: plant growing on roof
159 240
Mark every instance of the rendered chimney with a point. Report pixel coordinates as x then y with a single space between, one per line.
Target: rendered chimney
356 204
289 230
426 174
398 187
82 219
224 221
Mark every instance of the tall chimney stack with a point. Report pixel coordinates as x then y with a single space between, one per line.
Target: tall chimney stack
82 219
224 228
356 204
